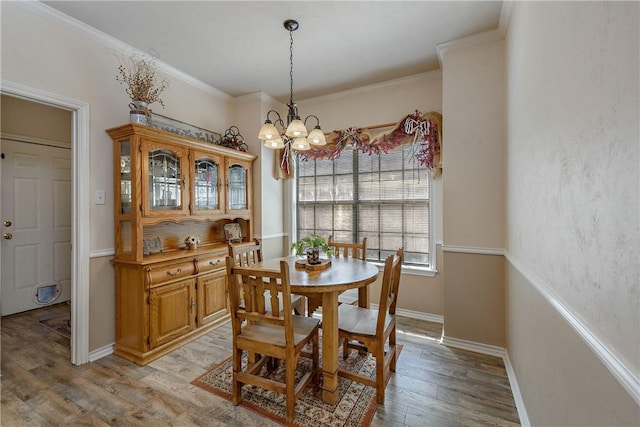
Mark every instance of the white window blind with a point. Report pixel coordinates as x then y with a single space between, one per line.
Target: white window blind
384 198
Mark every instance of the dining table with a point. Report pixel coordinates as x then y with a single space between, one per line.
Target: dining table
322 287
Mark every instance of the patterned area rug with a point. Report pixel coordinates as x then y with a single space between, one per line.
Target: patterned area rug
355 407
60 324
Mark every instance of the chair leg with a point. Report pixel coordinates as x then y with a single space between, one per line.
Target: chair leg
392 347
380 383
345 348
290 379
236 386
316 357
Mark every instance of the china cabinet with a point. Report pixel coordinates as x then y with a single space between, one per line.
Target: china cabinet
169 188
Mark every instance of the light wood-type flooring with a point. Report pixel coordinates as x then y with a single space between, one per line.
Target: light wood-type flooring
434 385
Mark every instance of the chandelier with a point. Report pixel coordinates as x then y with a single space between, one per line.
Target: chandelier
295 135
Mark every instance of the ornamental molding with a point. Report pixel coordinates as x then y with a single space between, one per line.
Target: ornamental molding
54 15
467 42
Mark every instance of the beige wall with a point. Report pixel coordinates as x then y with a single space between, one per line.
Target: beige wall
474 298
473 151
573 213
473 193
26 118
102 302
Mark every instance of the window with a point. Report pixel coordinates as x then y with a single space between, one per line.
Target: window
384 198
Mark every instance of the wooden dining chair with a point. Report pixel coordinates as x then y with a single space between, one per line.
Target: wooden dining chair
353 250
244 255
369 330
261 332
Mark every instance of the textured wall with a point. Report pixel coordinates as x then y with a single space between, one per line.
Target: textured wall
573 199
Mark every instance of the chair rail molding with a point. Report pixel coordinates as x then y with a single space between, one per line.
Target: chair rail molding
472 250
629 380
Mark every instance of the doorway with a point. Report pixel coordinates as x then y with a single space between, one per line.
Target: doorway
80 198
36 223
35 206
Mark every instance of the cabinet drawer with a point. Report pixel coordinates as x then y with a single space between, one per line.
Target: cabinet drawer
212 262
165 273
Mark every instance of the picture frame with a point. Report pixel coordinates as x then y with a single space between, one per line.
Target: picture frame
232 232
152 246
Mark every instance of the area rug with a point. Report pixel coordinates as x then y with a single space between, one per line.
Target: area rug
59 324
355 407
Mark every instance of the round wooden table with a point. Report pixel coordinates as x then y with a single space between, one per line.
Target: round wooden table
322 288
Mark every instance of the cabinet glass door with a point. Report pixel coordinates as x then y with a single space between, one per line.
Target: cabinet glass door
164 181
237 187
207 184
125 177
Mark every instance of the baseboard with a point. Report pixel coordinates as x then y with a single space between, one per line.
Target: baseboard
490 350
515 390
101 352
436 318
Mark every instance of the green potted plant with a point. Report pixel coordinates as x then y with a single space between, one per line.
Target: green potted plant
311 246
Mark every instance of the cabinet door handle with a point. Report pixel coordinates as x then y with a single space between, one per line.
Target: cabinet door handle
193 304
184 181
178 271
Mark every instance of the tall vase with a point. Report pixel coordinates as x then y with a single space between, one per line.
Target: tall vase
139 113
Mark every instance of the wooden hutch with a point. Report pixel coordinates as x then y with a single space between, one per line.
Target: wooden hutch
166 188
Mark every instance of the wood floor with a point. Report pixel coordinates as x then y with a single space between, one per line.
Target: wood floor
433 386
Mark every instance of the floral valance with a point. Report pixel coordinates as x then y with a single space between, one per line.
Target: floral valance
423 132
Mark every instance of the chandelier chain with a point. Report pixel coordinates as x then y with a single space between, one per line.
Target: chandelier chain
291 65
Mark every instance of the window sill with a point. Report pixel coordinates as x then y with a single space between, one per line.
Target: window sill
411 270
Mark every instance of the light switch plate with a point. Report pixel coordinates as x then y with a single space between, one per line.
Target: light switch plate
100 197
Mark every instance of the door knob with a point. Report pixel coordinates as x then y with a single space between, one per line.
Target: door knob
7 236
6 223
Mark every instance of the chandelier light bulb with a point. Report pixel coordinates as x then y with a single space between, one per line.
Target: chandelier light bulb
274 144
296 129
268 131
301 144
316 137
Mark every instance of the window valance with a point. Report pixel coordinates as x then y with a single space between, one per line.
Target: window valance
422 131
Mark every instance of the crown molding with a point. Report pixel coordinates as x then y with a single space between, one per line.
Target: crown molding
467 42
505 16
257 96
54 15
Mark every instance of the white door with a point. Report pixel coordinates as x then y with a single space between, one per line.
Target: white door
36 224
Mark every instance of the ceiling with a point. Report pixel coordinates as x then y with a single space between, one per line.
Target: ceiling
241 47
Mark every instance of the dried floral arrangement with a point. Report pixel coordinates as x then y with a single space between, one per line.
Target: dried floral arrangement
139 75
